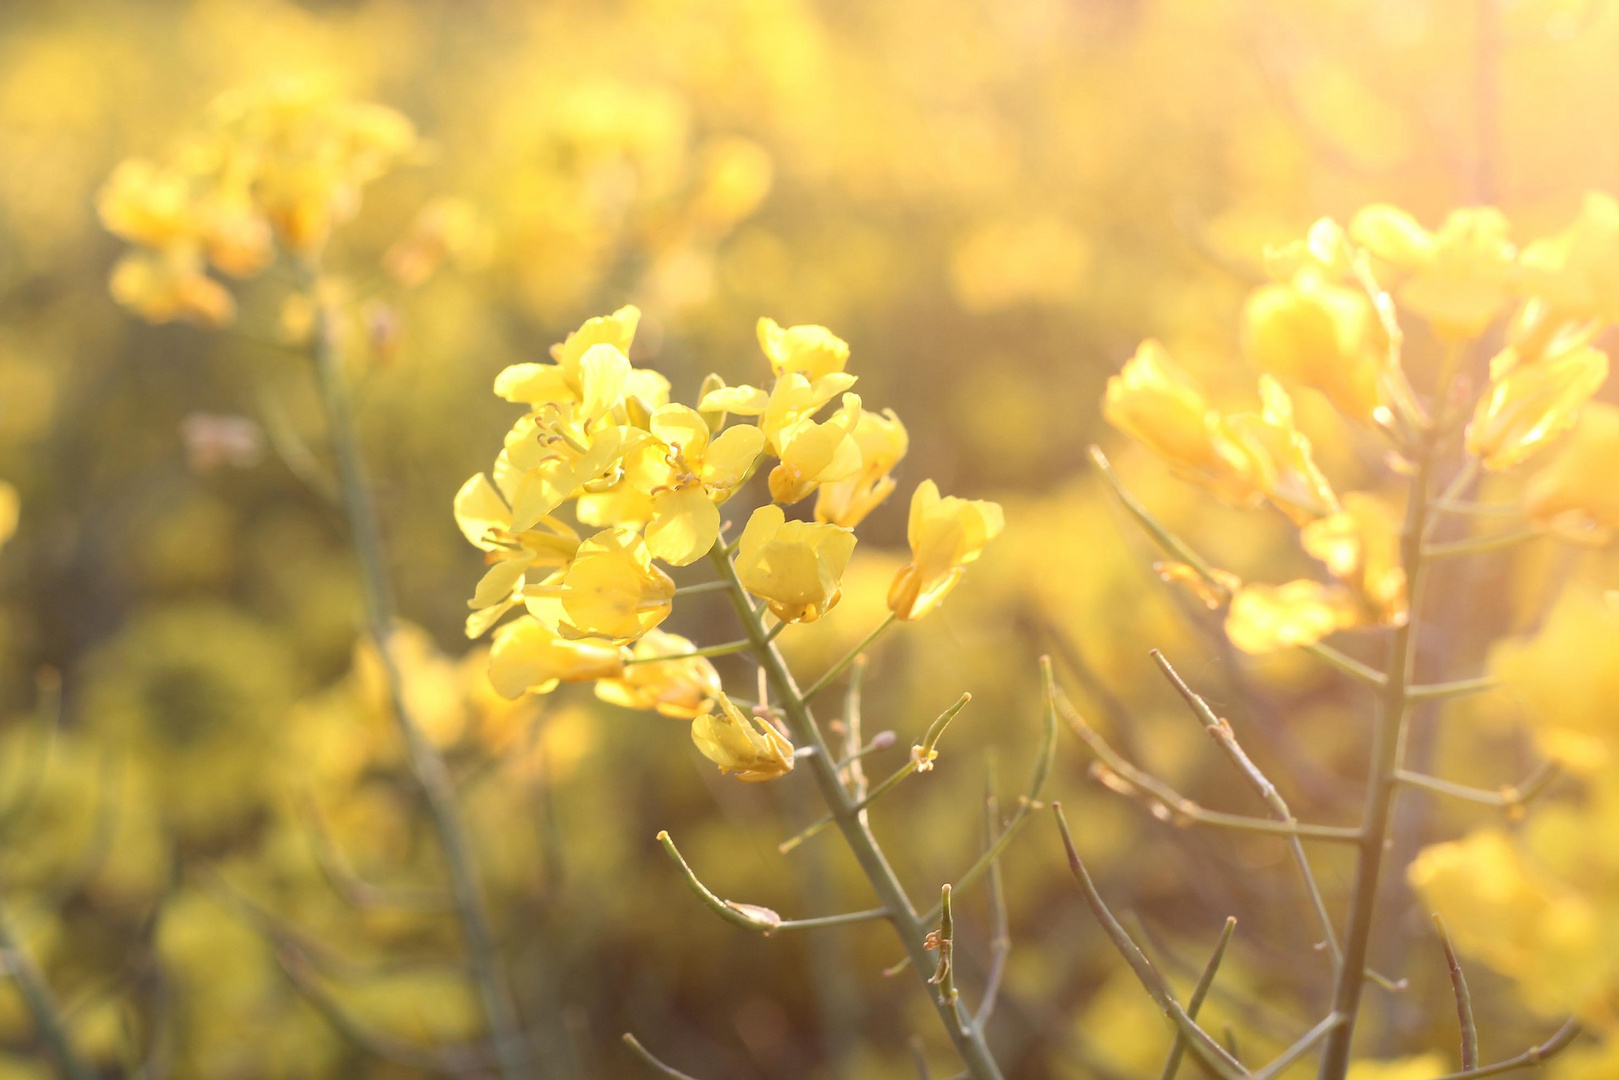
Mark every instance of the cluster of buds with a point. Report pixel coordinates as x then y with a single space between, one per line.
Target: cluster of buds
281 165
645 479
1327 324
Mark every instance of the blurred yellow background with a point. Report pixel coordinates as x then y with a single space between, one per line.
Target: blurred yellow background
992 202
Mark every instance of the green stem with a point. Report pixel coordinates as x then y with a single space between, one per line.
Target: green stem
48 1022
1348 664
1535 1055
1195 1002
1476 545
1382 784
425 761
653 1063
728 649
1464 999
859 650
912 932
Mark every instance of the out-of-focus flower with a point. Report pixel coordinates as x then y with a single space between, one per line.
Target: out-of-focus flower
212 440
10 512
1566 676
748 746
1154 401
1282 466
795 566
147 204
1314 332
171 284
1456 277
1577 496
1265 618
447 228
945 533
528 656
810 351
684 687
736 175
611 589
815 453
1420 1067
1000 264
882 441
701 471
1576 271
1324 250
1213 594
1360 545
1528 404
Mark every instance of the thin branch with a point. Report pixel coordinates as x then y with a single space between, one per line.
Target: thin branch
1511 798
706 586
1193 1004
943 942
1219 729
1347 664
730 648
1459 688
1535 1055
1300 1048
859 650
1000 940
1479 544
1167 540
1464 999
1167 804
1200 1042
653 1063
752 916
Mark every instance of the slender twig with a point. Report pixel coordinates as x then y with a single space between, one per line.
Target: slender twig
1000 939
752 916
1168 804
1167 540
1347 664
1300 1048
1459 688
1199 1042
653 1063
943 941
1512 797
848 658
428 766
48 1021
706 586
1382 786
851 823
1195 1003
1535 1055
1219 729
1478 544
730 648
880 741
1464 999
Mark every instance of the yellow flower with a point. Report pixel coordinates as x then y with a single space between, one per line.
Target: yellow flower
1528 404
882 441
748 746
1577 496
528 656
1421 1067
1265 618
796 566
684 688
591 369
700 473
1360 545
172 284
611 589
1313 332
945 535
10 511
814 453
1324 250
551 458
1281 463
485 519
445 228
1576 271
147 204
1457 277
1154 401
810 351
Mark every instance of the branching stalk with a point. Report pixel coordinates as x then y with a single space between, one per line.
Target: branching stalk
425 761
873 862
1177 1052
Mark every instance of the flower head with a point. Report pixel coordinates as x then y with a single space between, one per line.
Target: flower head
1457 277
795 566
882 441
1528 404
1265 618
611 589
1576 496
810 351
699 471
1360 546
1314 332
748 746
1576 271
946 533
814 453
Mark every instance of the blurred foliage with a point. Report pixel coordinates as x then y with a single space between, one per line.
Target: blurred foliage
212 845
